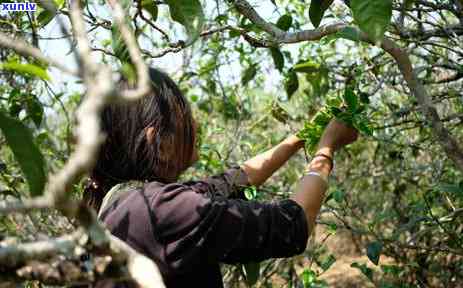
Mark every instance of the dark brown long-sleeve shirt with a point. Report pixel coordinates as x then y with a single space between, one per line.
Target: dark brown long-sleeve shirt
189 228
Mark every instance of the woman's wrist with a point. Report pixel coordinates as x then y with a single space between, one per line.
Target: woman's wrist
321 168
322 164
326 150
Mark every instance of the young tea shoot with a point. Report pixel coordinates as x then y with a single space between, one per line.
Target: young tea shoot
349 109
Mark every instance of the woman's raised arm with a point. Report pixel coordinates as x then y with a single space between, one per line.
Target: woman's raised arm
311 189
262 166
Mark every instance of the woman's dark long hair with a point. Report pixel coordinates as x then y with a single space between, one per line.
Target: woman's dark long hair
130 154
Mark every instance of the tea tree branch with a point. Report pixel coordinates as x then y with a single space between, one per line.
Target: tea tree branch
445 139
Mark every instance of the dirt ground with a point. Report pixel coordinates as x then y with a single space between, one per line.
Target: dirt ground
340 274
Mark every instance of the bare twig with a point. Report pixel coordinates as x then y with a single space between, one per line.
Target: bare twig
143 83
25 205
141 268
14 255
149 22
448 143
72 247
23 48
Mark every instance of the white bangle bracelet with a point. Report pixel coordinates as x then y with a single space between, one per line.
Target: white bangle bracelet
313 173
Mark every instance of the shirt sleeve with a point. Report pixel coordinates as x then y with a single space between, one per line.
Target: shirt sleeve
195 226
229 184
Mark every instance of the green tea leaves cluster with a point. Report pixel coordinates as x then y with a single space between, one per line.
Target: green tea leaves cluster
349 109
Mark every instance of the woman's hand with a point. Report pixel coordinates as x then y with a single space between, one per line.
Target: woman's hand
337 135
